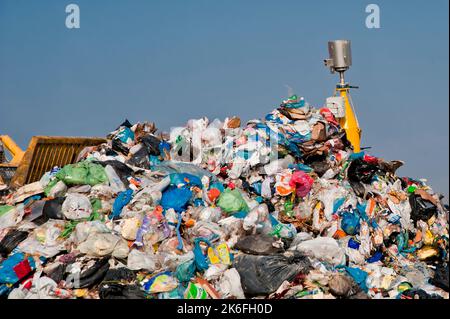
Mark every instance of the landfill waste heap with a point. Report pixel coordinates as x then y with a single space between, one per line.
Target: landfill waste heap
278 208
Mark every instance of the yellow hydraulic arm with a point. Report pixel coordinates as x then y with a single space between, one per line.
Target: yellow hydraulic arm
13 148
350 123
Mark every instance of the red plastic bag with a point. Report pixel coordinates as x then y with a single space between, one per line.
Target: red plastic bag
302 183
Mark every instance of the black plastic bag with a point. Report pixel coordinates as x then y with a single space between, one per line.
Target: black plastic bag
419 294
361 171
440 278
151 143
320 167
125 123
422 209
119 147
261 275
119 291
140 159
53 208
318 162
358 188
95 274
120 274
57 274
11 240
258 245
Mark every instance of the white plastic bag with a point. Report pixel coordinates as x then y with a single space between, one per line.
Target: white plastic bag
141 260
76 206
114 179
322 248
230 284
103 244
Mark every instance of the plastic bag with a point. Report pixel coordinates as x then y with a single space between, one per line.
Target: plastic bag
76 206
421 209
231 201
184 179
350 223
16 267
322 248
176 198
359 276
114 180
361 171
103 244
278 165
82 173
10 216
230 285
122 199
200 259
119 291
341 285
130 227
185 271
141 260
93 275
302 183
261 275
258 245
57 189
440 278
195 291
11 240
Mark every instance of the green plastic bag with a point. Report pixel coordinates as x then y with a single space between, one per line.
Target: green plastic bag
231 201
50 186
83 173
4 209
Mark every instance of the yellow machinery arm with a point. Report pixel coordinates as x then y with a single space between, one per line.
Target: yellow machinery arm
350 123
13 148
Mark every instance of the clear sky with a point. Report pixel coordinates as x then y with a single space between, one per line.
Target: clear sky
169 61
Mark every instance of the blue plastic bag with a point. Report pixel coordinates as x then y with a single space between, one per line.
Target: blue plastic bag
122 199
376 257
338 203
362 211
8 275
257 187
201 261
185 179
125 134
353 244
359 276
350 223
176 198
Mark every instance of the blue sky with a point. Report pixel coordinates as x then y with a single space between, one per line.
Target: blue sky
169 61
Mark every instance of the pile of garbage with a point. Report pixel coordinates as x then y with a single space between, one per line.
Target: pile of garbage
278 208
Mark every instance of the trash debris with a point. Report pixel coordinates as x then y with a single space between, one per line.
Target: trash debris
274 208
